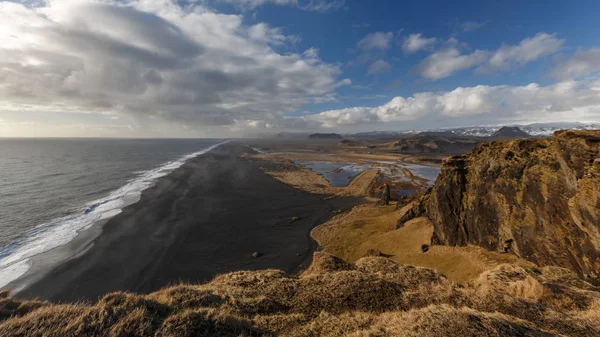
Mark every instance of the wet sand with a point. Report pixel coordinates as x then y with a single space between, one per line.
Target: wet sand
206 218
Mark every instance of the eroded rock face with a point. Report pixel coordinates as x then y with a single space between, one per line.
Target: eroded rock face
537 198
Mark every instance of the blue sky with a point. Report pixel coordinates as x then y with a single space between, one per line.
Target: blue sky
479 24
155 68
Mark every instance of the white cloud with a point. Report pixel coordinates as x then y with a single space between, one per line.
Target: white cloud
569 100
261 32
379 66
528 50
448 61
322 5
581 63
415 42
153 59
377 40
311 53
308 5
470 26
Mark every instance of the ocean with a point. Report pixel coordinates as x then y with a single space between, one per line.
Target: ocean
51 189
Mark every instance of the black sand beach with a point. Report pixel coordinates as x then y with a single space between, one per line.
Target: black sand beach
207 217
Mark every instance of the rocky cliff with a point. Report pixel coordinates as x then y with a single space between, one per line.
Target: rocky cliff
536 198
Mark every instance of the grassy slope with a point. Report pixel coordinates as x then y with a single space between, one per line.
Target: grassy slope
374 297
351 235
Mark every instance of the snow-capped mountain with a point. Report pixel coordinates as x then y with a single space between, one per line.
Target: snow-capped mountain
547 129
536 130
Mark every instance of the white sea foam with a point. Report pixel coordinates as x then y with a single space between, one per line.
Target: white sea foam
15 258
259 150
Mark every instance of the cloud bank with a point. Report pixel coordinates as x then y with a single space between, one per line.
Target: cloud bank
151 62
154 59
567 100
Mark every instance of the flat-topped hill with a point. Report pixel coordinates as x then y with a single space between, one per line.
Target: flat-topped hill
426 143
325 136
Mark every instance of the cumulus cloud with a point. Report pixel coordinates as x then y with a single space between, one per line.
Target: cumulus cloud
581 63
448 61
415 42
379 66
153 59
568 100
377 40
308 5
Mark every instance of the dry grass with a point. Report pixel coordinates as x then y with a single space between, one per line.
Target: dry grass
366 227
374 297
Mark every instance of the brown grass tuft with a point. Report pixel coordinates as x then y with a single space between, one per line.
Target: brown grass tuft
323 263
205 323
374 297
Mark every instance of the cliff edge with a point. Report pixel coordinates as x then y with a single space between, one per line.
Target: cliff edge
536 198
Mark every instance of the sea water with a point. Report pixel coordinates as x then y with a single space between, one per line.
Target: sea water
51 189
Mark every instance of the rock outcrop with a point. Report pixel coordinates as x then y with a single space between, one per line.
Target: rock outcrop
536 198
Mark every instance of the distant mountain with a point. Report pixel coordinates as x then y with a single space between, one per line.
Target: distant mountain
424 143
547 129
289 135
476 131
536 130
383 134
509 132
442 133
325 136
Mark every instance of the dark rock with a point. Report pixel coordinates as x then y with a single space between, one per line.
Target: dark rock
424 248
372 252
385 195
256 254
417 210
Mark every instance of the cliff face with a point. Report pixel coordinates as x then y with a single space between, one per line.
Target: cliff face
537 198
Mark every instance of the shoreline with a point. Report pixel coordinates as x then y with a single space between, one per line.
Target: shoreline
179 215
41 263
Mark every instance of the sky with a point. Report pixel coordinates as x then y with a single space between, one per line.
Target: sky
235 68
